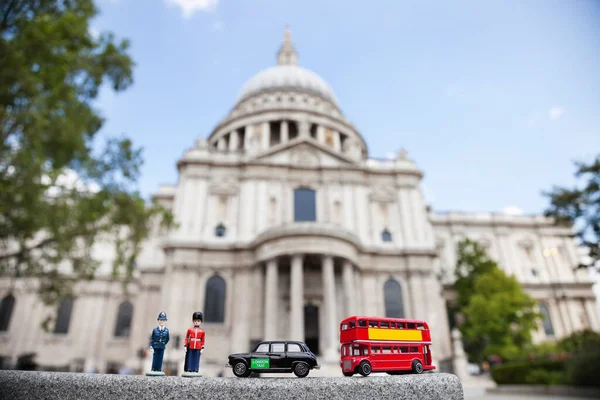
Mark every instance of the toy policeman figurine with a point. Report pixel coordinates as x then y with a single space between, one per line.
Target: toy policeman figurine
158 342
194 344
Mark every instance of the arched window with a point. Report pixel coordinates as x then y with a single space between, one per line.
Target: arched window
547 321
6 310
220 230
124 317
214 300
305 205
63 317
386 236
394 307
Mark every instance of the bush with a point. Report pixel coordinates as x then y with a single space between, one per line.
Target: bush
582 341
584 369
537 372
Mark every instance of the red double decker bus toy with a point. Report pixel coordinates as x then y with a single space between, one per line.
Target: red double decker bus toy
392 345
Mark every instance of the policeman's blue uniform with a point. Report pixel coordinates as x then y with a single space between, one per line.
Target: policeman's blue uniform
158 342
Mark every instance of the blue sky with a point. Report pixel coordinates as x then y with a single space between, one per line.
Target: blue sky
493 100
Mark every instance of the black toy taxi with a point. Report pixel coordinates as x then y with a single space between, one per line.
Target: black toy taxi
275 356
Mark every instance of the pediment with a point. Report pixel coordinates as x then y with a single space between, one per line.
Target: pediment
304 152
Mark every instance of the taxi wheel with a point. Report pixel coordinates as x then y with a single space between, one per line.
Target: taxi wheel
417 367
364 368
240 369
301 369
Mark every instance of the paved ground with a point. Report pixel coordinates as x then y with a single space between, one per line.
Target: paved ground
475 393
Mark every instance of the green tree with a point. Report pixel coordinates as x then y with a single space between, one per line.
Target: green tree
60 190
472 275
501 315
580 207
472 262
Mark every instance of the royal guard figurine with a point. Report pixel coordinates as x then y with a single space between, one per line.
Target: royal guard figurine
194 344
158 342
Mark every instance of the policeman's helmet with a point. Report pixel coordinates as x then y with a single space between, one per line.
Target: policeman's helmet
162 316
197 316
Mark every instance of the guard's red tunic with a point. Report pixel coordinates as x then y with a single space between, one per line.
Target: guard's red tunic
194 338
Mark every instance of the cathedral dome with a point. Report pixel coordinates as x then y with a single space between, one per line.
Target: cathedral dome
287 75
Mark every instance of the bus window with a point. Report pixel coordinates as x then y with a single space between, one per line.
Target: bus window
404 349
362 323
411 325
344 327
414 349
375 349
401 325
352 324
358 350
383 324
387 350
420 327
373 324
343 351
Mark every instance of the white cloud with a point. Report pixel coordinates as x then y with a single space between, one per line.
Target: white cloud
512 210
556 112
190 7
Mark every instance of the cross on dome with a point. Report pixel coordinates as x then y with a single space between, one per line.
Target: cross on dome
287 53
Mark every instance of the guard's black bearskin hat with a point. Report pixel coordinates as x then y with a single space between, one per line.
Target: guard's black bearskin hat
197 315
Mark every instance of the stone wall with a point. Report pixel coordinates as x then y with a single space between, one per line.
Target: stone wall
51 385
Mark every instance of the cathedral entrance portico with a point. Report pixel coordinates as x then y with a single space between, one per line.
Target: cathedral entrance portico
301 302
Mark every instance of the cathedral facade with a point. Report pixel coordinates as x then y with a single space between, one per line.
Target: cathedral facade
285 227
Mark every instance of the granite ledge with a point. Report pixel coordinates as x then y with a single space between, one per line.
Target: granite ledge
64 385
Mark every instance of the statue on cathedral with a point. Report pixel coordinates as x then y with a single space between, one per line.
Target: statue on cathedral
158 342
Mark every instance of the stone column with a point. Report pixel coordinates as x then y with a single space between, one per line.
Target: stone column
241 328
304 128
233 141
564 312
320 134
330 311
271 294
266 135
592 314
337 144
350 294
297 299
247 133
221 144
284 132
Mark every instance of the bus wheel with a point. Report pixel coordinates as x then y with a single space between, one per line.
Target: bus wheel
348 373
364 368
417 367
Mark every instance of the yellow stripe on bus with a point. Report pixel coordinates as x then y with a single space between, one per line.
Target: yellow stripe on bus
394 334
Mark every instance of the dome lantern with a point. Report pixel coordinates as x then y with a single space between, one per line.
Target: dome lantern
287 53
